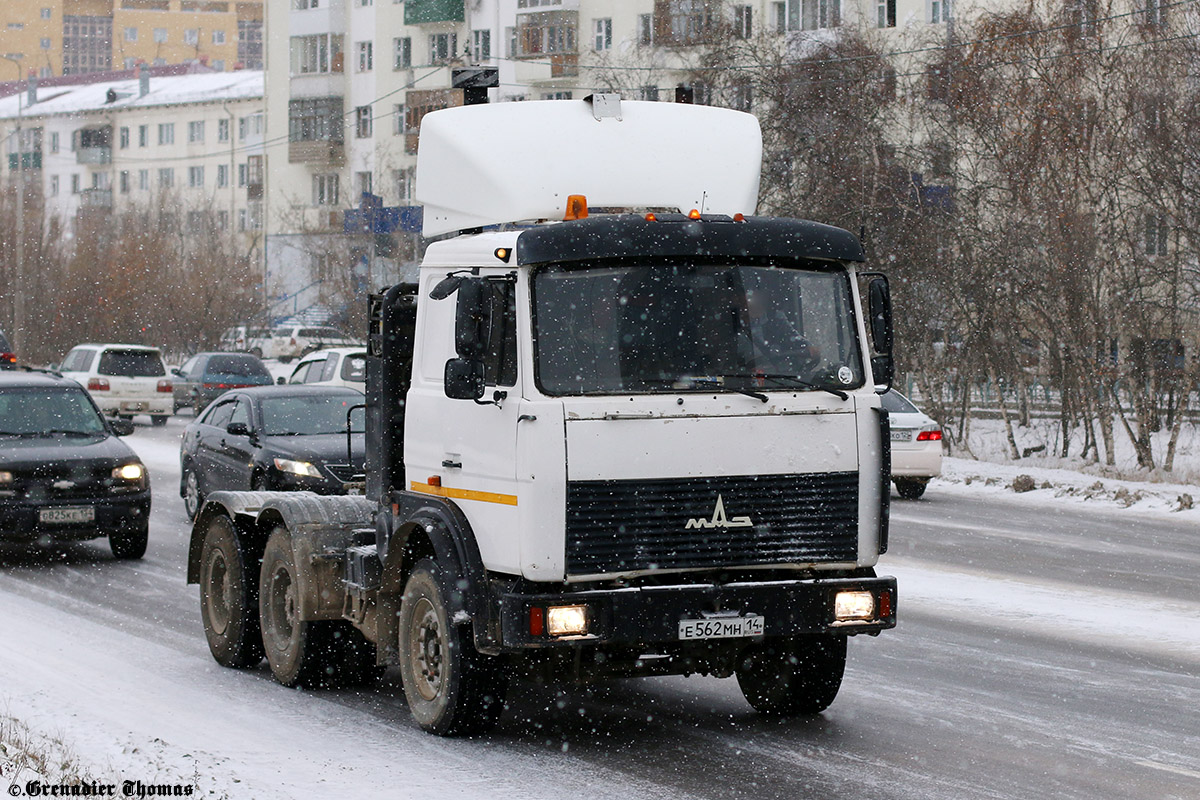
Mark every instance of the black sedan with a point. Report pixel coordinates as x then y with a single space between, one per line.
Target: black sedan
273 438
63 474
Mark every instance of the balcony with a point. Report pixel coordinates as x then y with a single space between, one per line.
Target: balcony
100 199
420 12
319 153
93 145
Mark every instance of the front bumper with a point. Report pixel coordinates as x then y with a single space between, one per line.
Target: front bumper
19 518
650 615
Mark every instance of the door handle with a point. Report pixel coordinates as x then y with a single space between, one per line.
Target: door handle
448 464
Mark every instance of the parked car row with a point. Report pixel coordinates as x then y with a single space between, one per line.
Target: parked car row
284 342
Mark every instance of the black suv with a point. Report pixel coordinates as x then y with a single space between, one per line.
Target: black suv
8 359
63 473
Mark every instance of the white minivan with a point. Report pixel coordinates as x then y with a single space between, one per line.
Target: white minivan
123 379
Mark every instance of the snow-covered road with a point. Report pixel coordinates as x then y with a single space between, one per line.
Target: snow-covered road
1043 651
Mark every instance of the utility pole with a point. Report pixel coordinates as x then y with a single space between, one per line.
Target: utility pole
18 332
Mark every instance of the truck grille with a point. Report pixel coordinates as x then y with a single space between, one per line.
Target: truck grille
616 526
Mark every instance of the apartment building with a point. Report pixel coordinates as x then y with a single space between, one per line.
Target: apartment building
51 38
188 148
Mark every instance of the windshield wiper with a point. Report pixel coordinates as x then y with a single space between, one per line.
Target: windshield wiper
66 432
722 385
803 384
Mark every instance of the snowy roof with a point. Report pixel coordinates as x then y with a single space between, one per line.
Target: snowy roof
212 87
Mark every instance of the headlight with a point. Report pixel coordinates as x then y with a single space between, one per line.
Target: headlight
297 467
129 472
566 620
6 477
856 605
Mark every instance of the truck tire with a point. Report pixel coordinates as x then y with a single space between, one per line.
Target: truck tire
452 689
301 653
130 543
159 420
910 488
229 597
797 675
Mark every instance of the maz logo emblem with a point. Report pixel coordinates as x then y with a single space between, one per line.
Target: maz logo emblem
719 520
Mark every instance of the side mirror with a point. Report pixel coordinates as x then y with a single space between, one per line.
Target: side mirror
879 309
473 318
177 372
281 380
237 429
464 379
121 427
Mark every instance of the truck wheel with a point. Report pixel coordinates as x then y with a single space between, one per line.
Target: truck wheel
910 488
300 653
192 499
228 597
451 688
159 420
130 543
799 675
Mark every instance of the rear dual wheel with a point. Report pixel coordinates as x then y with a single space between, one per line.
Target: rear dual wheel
229 597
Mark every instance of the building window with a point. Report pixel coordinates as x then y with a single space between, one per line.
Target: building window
218 64
166 178
303 5
222 176
510 42
87 44
143 135
366 56
218 37
54 140
364 182
160 35
47 13
196 132
818 14
123 181
250 43
222 220
603 34
1154 14
937 82
779 17
404 183
1156 235
741 96
250 126
54 186
885 13
191 36
645 30
166 133
243 175
222 130
196 177
481 45
557 96
241 220
939 11
691 21
547 32
362 122
144 180
442 47
743 22
316 54
325 190
75 183
402 52
45 43
398 120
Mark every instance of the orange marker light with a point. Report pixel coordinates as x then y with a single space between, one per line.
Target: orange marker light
434 480
651 218
503 253
576 207
694 214
739 217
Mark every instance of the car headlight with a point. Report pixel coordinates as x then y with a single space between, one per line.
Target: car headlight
129 472
297 467
5 477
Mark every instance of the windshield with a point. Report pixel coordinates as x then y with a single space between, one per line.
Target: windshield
131 364
309 415
236 366
37 411
637 329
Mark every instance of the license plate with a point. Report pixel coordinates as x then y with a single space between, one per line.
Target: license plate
901 435
131 406
721 627
67 515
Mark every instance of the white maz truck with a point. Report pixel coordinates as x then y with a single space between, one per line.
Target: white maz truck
619 427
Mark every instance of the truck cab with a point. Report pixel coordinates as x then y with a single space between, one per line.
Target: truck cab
613 434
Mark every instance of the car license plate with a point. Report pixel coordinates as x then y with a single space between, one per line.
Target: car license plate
62 516
901 435
721 627
132 406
